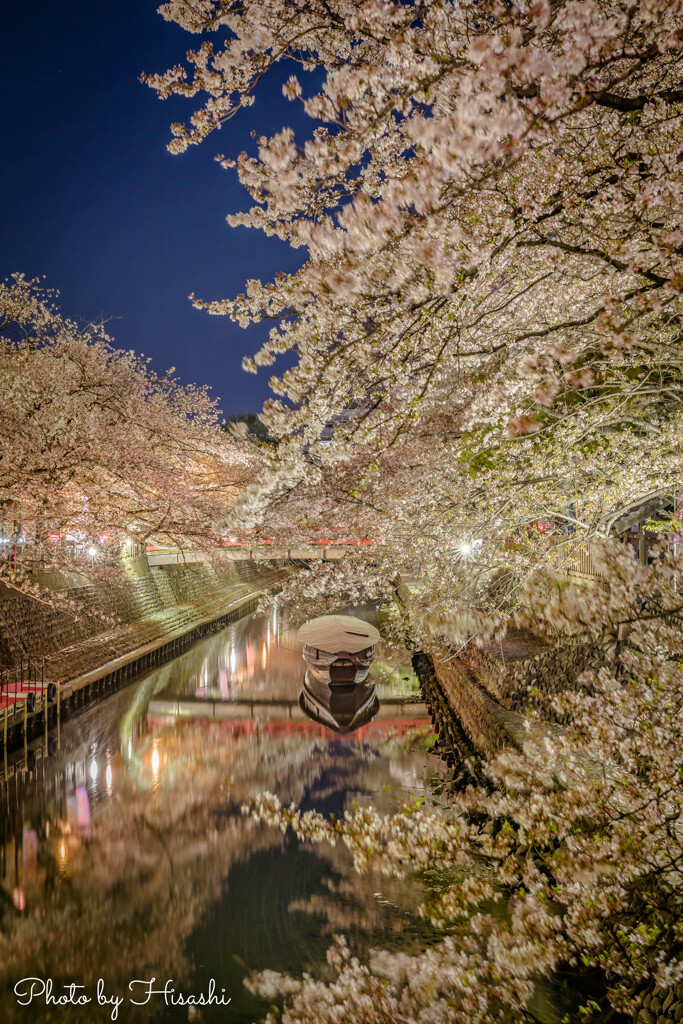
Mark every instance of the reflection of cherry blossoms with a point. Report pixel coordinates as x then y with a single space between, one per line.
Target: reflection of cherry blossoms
124 892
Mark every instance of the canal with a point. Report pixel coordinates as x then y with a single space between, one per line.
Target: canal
124 854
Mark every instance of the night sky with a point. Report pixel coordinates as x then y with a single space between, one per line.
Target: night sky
93 201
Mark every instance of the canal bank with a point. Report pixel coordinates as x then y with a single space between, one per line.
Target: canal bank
483 694
85 639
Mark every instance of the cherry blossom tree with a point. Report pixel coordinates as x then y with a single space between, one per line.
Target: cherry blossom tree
490 201
572 860
95 443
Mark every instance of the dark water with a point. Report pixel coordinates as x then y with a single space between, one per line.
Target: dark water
125 855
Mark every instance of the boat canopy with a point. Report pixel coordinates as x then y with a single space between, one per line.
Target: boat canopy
337 633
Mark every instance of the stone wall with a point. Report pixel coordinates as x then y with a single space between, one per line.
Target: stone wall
480 715
490 671
532 685
662 1006
94 623
525 675
453 744
471 724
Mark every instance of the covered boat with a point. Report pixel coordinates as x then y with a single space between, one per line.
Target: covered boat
338 651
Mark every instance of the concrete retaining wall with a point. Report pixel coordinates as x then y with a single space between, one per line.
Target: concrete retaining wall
95 623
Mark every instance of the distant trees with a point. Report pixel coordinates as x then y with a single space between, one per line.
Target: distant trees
93 442
248 424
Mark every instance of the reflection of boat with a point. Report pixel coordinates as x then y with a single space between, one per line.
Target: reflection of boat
338 651
343 712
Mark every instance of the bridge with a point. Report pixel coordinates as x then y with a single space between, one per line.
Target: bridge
317 551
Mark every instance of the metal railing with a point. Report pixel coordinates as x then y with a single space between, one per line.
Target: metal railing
25 683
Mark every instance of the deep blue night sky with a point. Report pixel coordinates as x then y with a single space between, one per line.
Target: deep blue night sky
92 199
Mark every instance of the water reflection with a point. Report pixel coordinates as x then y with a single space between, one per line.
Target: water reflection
344 711
126 855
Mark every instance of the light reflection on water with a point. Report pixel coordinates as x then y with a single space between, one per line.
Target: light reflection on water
131 858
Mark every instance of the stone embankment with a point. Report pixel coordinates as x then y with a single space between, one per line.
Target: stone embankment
662 1006
88 637
94 623
482 697
524 674
465 692
453 743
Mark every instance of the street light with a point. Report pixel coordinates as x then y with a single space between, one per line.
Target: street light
468 548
